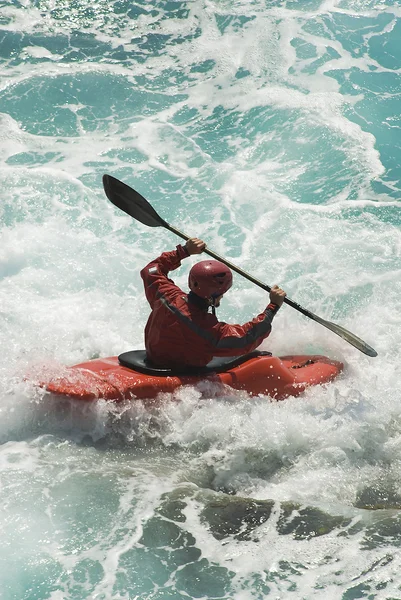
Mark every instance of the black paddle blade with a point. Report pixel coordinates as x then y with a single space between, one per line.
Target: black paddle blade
131 202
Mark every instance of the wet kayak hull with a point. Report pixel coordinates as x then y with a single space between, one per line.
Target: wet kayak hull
277 377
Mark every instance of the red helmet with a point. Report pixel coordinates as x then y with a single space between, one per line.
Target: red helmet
210 278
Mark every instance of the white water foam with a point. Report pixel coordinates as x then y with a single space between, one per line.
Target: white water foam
70 289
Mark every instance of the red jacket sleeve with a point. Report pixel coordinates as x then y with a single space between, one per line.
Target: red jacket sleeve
233 340
155 278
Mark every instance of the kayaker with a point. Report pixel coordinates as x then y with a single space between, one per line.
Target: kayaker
180 330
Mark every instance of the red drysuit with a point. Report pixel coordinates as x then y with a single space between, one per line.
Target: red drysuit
180 332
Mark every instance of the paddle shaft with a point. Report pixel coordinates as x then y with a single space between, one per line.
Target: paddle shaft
238 270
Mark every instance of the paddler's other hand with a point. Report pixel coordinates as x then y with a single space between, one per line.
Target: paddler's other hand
195 246
277 295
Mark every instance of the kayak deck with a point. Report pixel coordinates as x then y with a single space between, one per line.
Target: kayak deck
277 377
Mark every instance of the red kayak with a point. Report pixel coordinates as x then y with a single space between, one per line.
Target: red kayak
130 377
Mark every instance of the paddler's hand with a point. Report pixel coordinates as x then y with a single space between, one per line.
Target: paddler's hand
195 246
277 295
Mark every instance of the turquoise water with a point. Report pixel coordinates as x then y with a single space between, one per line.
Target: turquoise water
271 130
